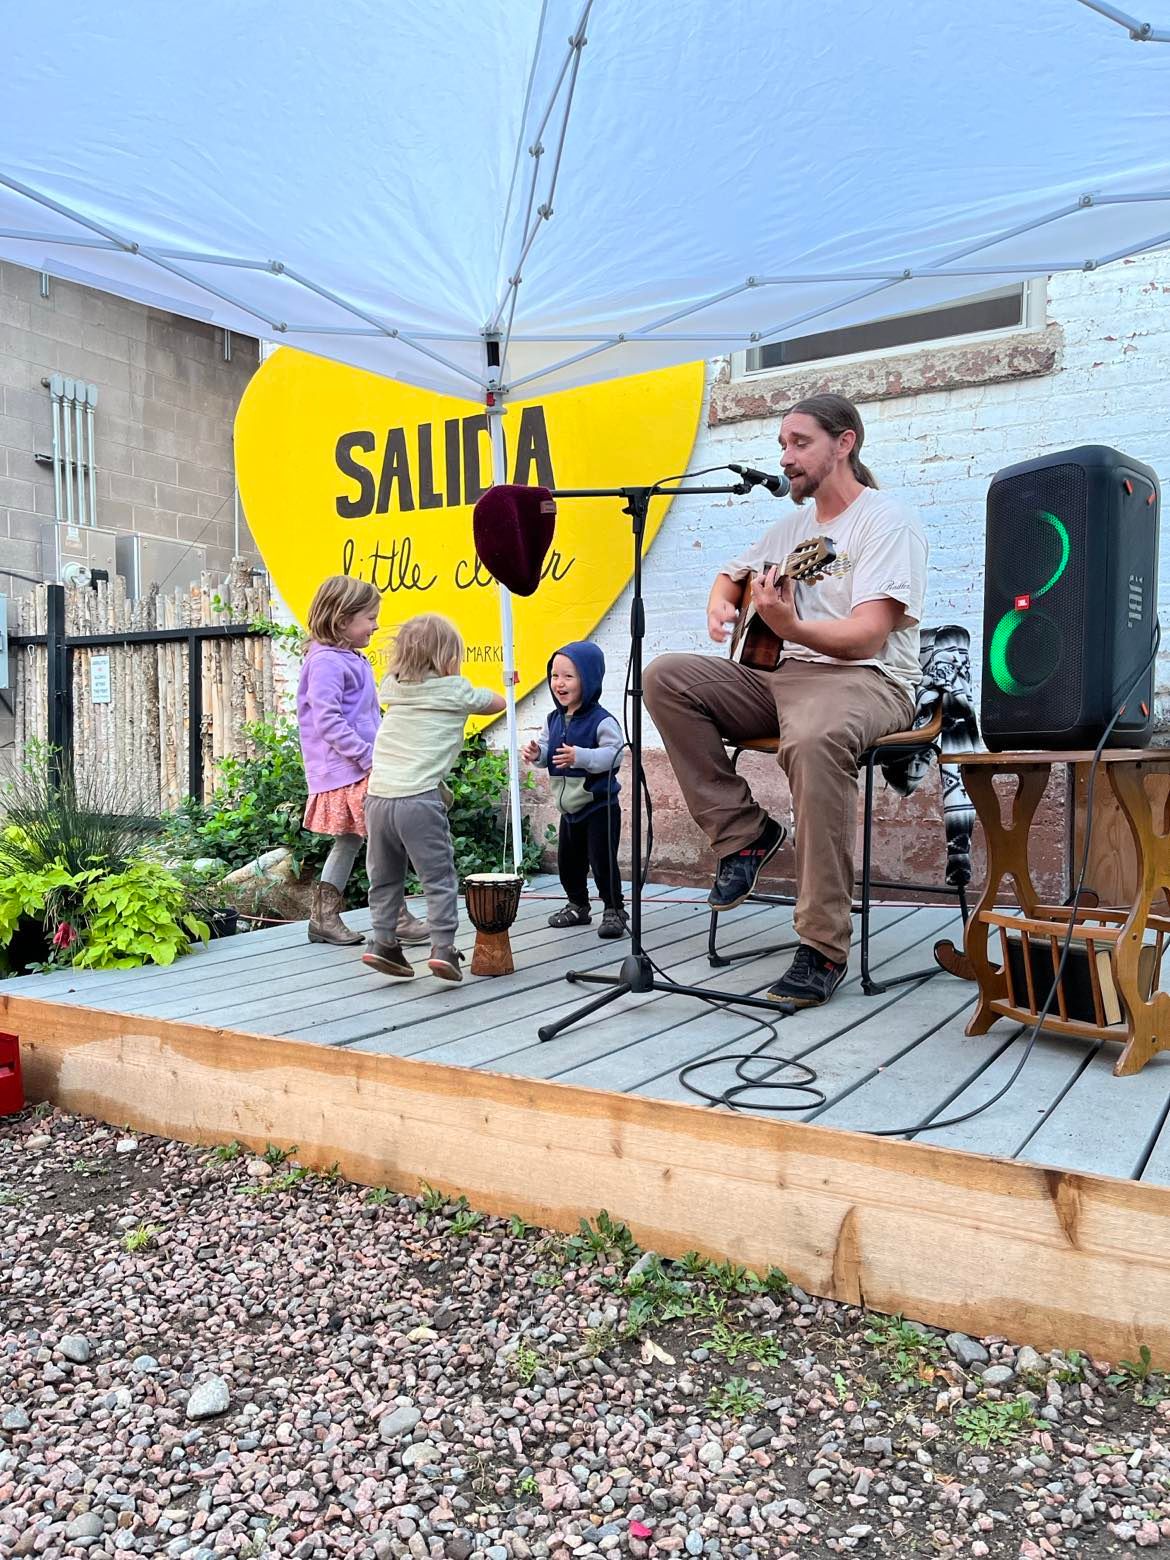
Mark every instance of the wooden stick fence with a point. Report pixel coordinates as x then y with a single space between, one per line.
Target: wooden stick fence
176 678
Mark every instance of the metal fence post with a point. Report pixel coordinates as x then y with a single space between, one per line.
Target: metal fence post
60 686
195 717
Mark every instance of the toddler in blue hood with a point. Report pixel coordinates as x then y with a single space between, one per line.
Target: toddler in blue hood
581 747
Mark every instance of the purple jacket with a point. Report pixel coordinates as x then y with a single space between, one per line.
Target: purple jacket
339 716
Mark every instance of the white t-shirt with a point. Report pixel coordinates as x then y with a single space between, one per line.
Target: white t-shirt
881 551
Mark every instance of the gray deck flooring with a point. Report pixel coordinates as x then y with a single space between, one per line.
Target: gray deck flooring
897 1063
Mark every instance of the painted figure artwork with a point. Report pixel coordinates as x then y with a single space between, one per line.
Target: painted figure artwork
946 675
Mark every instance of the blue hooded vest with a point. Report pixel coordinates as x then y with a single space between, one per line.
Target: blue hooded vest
578 793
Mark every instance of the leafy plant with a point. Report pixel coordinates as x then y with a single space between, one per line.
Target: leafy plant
527 1486
517 1227
1073 1368
988 1424
225 1153
136 916
526 1363
735 1398
1132 1370
278 1183
71 824
599 1339
378 1196
910 1355
465 1221
141 1238
89 1167
732 1345
275 1156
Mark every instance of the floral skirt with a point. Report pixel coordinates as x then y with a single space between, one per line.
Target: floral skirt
342 811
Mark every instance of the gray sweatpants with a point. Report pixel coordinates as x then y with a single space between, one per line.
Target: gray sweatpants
401 829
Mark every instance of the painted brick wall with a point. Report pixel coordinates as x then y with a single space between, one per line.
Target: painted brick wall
938 450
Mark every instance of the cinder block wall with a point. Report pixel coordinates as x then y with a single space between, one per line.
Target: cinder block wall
940 422
163 425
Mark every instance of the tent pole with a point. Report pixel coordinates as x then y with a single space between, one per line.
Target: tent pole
494 407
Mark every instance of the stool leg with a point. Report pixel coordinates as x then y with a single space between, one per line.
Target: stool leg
867 985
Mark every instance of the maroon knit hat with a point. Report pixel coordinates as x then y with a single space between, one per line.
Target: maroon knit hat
513 528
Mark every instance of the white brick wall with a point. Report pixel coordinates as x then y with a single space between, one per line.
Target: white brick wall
938 451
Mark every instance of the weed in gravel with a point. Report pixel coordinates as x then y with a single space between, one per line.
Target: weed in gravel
41 1110
278 1183
378 1196
732 1345
1073 1368
546 1280
225 1153
910 1355
141 1238
432 1198
526 1362
1137 1374
990 1424
735 1398
599 1339
464 1222
9 1198
527 1487
517 1227
276 1156
89 1167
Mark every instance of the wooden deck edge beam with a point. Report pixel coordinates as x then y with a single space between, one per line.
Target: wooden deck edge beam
961 1240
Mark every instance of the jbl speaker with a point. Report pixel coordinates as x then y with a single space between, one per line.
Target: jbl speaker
1070 596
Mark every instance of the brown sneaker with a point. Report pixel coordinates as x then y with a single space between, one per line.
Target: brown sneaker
388 959
444 962
325 923
410 929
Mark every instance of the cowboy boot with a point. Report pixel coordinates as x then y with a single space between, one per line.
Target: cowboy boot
325 923
410 929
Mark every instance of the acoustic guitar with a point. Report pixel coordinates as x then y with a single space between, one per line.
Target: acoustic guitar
753 643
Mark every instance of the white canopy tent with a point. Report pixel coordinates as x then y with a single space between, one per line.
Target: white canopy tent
483 196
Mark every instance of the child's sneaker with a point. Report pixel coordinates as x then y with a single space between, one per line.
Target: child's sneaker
388 959
571 915
444 962
614 923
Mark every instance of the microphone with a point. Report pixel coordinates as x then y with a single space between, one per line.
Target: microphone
777 486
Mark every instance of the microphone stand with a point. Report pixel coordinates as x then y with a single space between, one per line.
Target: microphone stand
637 973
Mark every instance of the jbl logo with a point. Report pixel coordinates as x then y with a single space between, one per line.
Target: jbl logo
1136 598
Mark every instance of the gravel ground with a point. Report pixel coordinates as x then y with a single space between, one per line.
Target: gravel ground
205 1354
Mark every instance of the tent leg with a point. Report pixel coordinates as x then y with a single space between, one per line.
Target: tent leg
495 413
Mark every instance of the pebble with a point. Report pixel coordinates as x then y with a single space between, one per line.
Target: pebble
38 1140
88 1525
997 1375
419 1452
966 1350
76 1348
126 1145
14 1419
210 1398
1029 1362
398 1423
144 1364
258 1169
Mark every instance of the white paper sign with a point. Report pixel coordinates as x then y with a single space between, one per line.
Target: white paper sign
99 679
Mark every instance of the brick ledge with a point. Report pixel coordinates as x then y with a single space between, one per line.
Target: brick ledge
1024 356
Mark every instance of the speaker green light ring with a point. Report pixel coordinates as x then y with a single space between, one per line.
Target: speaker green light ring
997 655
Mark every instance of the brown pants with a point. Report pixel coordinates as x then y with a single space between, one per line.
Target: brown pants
825 717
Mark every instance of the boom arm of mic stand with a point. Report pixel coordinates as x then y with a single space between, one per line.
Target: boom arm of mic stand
637 972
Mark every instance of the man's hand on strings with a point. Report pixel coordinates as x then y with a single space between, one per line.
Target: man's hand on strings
775 601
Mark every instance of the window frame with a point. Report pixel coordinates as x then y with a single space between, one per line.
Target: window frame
1033 318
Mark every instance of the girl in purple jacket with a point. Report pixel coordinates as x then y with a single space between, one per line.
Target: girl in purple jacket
338 714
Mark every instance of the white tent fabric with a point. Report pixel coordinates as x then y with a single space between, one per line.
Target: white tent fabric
360 180
603 186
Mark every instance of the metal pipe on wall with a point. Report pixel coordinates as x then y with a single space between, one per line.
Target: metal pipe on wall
56 385
67 423
91 396
79 419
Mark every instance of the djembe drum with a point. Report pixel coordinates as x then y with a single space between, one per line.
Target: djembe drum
493 899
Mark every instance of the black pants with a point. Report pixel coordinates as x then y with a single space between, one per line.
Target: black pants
591 844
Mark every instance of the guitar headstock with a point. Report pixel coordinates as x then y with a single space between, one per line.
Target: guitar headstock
810 561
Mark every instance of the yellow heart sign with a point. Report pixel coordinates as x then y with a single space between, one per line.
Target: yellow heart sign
344 472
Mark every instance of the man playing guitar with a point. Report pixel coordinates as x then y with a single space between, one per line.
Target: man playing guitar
846 676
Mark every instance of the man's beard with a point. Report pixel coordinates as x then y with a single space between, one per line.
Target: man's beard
811 484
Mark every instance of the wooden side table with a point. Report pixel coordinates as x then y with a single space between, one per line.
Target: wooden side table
1116 933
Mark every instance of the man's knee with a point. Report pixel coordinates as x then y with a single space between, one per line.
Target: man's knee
664 678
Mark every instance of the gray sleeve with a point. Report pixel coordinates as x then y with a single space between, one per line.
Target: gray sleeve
607 754
542 743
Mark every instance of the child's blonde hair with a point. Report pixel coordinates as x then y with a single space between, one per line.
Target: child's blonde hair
336 599
425 646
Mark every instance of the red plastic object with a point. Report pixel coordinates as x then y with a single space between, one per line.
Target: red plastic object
11 1087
